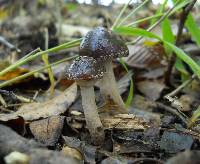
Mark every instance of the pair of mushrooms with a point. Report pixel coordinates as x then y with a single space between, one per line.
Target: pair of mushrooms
97 50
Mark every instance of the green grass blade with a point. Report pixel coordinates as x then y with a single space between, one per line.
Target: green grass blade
180 67
193 28
130 31
67 45
183 56
131 13
120 15
144 19
167 35
11 81
131 89
159 11
180 53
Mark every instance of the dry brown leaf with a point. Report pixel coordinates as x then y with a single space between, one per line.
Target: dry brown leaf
12 74
186 101
55 106
47 130
151 89
145 56
72 152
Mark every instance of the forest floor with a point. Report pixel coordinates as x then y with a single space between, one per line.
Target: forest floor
41 124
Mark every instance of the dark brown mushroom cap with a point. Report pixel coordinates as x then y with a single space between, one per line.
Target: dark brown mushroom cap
102 44
84 68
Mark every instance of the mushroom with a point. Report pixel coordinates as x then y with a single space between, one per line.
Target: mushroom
86 71
104 46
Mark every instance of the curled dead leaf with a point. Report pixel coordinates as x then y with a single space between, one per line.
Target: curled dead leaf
55 106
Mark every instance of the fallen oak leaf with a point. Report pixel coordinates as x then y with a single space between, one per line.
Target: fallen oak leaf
36 110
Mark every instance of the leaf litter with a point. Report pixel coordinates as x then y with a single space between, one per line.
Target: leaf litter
152 129
55 106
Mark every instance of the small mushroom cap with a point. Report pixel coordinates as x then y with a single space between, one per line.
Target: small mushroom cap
102 44
84 68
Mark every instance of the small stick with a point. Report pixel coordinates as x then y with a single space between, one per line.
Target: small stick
3 102
173 111
9 45
183 85
35 95
2 108
15 96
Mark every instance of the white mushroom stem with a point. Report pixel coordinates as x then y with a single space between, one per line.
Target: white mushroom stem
93 121
108 85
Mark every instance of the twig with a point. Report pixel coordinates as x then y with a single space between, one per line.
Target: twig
3 102
173 111
183 85
15 96
176 103
172 60
2 108
35 95
9 45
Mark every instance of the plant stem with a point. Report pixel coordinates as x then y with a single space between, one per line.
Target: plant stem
8 82
8 44
54 49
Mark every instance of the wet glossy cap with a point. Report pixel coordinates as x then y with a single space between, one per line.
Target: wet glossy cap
84 68
102 44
